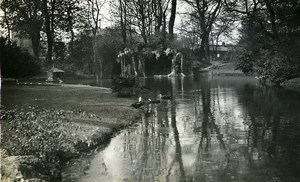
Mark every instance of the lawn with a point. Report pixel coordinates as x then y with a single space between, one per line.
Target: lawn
94 100
43 126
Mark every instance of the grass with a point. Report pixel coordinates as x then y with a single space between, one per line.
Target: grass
54 123
226 69
89 99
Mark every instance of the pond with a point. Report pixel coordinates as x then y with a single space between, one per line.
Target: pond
214 129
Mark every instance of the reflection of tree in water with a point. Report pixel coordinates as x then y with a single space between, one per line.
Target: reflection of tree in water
273 128
162 114
178 153
269 147
153 147
206 102
259 143
148 147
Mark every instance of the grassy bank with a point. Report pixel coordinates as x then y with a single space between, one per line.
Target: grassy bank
292 83
222 69
44 126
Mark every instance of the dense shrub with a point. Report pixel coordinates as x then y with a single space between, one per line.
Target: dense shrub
244 62
274 67
271 67
15 62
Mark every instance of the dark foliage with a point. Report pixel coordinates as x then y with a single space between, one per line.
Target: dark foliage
15 62
125 87
35 132
129 87
272 36
245 62
119 83
32 131
274 67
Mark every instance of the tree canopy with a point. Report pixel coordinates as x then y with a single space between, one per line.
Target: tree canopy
57 28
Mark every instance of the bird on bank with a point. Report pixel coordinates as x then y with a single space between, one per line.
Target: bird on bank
153 101
138 104
164 97
141 102
150 107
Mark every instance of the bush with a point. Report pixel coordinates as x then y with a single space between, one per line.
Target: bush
15 62
274 67
244 62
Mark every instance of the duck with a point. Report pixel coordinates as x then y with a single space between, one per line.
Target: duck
138 104
149 108
153 101
165 97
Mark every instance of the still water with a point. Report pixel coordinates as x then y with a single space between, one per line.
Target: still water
215 129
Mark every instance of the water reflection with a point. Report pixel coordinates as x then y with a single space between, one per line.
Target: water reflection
178 155
220 129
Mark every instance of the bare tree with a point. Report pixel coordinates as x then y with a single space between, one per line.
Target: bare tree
94 20
123 19
223 25
160 8
139 17
143 17
261 12
49 8
72 19
119 15
205 13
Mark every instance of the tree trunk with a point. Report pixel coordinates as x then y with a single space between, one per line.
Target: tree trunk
164 25
158 15
206 46
70 29
52 27
172 17
154 8
123 21
143 19
35 40
96 65
272 19
49 36
7 24
49 28
72 42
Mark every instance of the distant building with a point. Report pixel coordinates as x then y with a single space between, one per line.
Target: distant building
219 52
22 42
